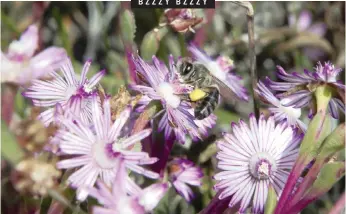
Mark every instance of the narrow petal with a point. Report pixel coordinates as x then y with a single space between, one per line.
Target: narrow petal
96 78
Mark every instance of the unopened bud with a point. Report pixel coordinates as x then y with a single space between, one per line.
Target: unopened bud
182 20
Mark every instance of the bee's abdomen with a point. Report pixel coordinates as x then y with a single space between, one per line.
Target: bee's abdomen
207 105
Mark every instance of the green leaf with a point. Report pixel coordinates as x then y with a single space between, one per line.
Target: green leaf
127 27
225 117
207 153
151 42
45 203
112 84
172 44
329 175
7 21
323 94
20 104
333 143
10 149
319 128
173 203
271 201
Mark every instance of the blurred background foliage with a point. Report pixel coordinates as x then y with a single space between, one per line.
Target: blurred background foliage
104 31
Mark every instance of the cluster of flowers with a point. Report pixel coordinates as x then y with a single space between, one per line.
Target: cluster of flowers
250 158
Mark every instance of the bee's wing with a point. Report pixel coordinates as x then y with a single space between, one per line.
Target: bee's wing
225 91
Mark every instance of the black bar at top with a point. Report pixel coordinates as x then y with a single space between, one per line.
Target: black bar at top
173 3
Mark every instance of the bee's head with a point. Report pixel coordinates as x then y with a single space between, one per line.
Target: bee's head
185 67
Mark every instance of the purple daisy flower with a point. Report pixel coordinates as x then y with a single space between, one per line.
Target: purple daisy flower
68 91
221 68
281 112
119 200
300 90
162 84
99 150
252 157
183 172
20 66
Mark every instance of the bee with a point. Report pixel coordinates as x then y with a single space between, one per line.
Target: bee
207 87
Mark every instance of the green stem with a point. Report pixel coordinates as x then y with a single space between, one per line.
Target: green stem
304 186
182 45
323 94
251 33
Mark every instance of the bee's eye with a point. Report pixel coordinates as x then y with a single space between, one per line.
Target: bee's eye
187 68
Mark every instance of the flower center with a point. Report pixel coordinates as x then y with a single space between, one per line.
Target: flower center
290 111
262 166
117 147
70 91
101 155
167 92
87 88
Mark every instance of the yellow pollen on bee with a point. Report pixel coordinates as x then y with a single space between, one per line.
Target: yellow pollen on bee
197 94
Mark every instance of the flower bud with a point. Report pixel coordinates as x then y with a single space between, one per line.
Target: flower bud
182 20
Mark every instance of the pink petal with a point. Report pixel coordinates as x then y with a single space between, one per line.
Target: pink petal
304 20
152 195
97 118
10 70
136 137
96 78
319 29
43 63
118 124
85 71
73 162
26 46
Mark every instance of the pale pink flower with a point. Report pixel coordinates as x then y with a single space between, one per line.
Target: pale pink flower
252 157
20 66
98 150
69 91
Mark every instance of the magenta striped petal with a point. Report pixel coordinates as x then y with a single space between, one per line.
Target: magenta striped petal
125 196
252 157
163 84
96 78
324 74
64 90
85 70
